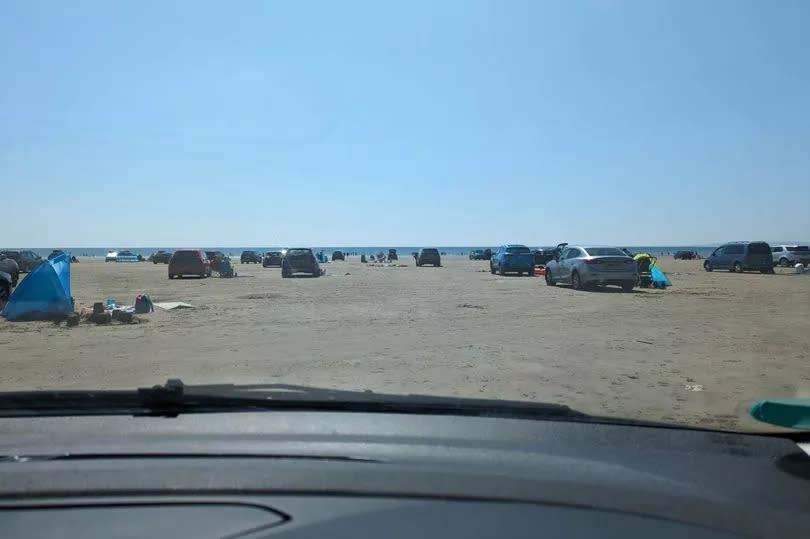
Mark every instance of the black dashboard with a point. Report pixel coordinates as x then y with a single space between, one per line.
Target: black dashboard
332 474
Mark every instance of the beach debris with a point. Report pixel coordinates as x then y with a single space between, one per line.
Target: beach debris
799 268
693 387
170 305
643 342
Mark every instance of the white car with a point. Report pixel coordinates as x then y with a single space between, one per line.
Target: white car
112 256
790 255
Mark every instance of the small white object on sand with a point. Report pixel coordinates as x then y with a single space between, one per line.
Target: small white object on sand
169 305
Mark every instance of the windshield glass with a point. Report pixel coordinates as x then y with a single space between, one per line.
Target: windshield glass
492 130
604 251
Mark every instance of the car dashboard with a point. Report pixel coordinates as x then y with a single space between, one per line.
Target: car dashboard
342 474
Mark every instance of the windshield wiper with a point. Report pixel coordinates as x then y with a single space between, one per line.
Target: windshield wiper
175 398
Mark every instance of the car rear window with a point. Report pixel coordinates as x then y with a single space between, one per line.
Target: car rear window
430 251
759 248
798 248
604 251
186 255
298 252
517 250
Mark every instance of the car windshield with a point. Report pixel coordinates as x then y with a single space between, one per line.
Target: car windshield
675 130
604 251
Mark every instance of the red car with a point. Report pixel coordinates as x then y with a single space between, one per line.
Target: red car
189 262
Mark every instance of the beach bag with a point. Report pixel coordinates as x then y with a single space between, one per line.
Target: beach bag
143 304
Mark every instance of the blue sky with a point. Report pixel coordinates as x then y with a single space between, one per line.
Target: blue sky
364 123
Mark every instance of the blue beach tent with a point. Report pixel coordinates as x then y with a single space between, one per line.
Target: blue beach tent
44 293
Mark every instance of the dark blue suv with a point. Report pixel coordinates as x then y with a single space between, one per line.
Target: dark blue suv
739 256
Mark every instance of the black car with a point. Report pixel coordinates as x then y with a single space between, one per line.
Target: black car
5 288
249 257
428 256
10 267
685 255
543 256
478 254
299 260
392 254
271 258
26 260
160 257
338 255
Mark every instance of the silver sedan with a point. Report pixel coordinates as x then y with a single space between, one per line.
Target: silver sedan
583 267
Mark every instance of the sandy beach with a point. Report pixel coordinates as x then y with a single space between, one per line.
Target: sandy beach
698 353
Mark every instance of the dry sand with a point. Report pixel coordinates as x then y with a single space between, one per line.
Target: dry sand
454 330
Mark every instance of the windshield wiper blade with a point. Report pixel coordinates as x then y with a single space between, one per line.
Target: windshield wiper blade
174 398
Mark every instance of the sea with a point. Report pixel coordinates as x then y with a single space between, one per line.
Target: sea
98 252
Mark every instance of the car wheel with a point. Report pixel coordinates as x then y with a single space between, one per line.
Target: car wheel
576 282
171 276
500 271
154 262
628 287
707 266
549 280
770 271
784 262
737 267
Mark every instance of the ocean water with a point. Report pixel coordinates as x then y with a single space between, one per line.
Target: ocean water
660 250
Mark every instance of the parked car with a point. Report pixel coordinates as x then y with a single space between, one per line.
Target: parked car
739 256
26 260
271 258
392 254
584 267
250 257
338 255
127 256
790 255
299 260
512 258
543 256
189 262
10 267
685 255
160 257
111 256
479 254
427 256
55 253
5 288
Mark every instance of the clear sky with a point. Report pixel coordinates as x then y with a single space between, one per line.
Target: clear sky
427 122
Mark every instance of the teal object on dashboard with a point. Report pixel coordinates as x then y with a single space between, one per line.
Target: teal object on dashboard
791 413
